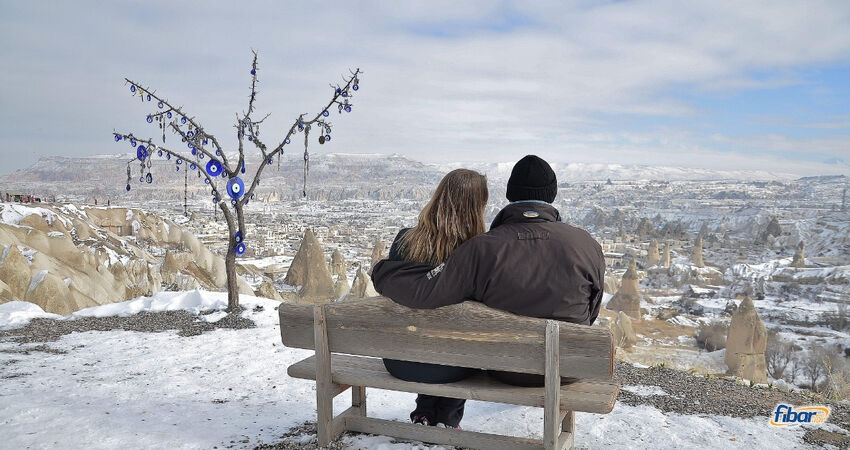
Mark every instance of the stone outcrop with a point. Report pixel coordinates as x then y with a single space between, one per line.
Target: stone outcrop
338 265
652 257
14 272
378 252
623 332
696 256
341 286
310 271
362 286
268 290
746 344
627 298
799 259
665 259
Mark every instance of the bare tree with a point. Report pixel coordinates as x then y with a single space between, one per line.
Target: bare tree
205 154
777 355
814 365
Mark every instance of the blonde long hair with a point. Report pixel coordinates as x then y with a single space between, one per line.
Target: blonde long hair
453 215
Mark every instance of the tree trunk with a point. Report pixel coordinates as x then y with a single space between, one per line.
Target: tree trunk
230 267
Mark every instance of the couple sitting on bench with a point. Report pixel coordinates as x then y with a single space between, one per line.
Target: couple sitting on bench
529 263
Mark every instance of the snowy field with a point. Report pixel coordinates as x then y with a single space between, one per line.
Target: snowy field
229 388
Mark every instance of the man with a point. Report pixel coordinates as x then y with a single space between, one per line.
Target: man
529 263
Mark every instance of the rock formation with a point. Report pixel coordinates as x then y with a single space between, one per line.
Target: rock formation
341 286
627 298
310 271
623 332
696 257
377 253
652 257
746 344
362 286
338 265
772 230
268 290
799 256
14 272
665 260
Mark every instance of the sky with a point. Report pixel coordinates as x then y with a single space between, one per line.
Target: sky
720 85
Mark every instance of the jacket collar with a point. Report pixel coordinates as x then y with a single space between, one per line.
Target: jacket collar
524 212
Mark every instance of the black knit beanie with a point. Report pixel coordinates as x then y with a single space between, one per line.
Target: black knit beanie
532 179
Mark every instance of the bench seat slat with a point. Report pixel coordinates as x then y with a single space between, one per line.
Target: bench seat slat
584 395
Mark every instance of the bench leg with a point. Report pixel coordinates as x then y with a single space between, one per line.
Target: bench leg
358 399
327 428
552 390
568 427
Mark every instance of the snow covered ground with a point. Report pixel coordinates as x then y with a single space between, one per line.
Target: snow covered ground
228 387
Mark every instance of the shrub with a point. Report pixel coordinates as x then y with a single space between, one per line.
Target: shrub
712 337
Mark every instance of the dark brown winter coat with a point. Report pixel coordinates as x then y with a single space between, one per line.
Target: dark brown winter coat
529 263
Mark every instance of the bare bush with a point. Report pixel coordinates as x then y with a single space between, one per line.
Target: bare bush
814 365
837 372
837 320
712 336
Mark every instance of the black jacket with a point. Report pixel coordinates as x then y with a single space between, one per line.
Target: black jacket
529 263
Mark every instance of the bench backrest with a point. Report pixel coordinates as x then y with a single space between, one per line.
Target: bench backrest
468 334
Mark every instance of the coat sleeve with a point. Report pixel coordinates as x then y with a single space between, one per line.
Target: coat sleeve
421 286
598 288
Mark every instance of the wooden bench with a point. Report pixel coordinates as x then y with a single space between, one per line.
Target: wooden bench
350 336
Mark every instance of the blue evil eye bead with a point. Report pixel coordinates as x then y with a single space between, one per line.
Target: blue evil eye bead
117 138
160 105
128 187
213 168
133 142
159 153
338 90
149 178
206 141
240 248
194 150
300 127
269 162
206 181
178 168
190 134
326 113
132 89
321 139
193 166
149 97
250 138
218 153
253 72
223 174
168 114
168 156
235 188
345 93
233 202
355 87
286 141
347 108
179 161
238 237
182 120
141 153
243 167
215 200
201 155
149 119
141 179
327 138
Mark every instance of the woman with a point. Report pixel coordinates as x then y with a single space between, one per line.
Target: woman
454 215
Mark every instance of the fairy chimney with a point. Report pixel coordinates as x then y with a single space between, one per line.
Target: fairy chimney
623 332
341 286
697 255
746 343
799 256
362 286
665 260
627 298
652 257
310 271
377 253
338 265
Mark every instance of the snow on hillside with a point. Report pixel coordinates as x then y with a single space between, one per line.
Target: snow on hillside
228 387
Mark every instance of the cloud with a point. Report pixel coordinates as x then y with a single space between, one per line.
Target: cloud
479 80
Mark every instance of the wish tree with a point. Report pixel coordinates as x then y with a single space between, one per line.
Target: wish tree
230 179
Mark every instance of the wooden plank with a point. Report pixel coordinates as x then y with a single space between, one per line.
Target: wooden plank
552 389
585 395
442 436
569 422
467 334
324 384
566 441
568 427
358 399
